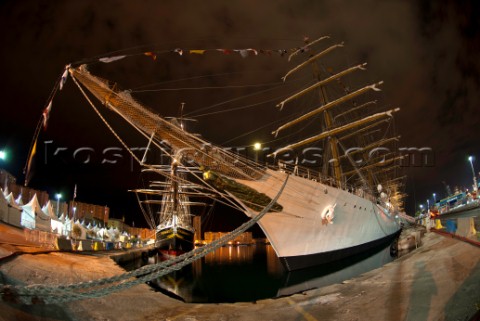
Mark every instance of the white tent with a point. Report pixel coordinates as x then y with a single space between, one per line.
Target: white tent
67 226
101 233
113 233
56 226
3 207
56 223
83 232
11 200
19 200
9 211
48 209
33 216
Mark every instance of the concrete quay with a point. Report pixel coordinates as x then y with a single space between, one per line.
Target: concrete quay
440 280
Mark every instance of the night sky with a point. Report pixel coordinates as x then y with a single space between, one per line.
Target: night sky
427 52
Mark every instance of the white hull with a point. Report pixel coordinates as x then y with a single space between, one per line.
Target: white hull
299 231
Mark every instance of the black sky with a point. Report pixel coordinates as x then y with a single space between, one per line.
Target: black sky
427 52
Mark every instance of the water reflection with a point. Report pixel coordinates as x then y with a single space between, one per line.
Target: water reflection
253 272
231 255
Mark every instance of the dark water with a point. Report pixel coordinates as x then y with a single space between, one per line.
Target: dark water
254 272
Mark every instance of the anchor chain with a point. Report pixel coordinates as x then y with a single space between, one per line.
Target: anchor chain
50 294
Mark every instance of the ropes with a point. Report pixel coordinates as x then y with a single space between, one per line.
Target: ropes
147 122
49 294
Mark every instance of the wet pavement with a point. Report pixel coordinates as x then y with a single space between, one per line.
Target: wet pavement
437 281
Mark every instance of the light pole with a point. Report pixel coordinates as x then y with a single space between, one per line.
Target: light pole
3 157
58 196
256 147
421 210
475 187
434 198
428 216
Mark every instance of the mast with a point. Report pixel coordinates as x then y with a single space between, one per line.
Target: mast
174 186
370 146
338 130
333 141
312 59
330 113
326 105
382 162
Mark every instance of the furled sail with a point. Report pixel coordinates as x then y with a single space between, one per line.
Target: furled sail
351 124
149 123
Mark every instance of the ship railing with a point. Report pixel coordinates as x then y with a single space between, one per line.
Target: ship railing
316 176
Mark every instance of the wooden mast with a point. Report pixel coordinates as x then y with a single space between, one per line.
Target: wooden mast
338 130
332 141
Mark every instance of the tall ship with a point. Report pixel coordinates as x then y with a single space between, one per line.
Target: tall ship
167 203
342 188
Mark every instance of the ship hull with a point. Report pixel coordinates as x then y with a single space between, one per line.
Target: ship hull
170 243
292 263
300 233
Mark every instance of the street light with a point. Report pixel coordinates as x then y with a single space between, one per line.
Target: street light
256 147
421 209
58 196
475 187
3 155
434 198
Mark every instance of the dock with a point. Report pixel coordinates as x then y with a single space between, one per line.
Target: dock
438 280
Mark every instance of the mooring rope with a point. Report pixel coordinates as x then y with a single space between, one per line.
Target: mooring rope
54 294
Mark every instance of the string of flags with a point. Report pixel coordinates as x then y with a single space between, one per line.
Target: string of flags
48 108
244 53
46 114
63 79
43 122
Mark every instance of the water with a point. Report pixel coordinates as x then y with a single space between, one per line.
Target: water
254 272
